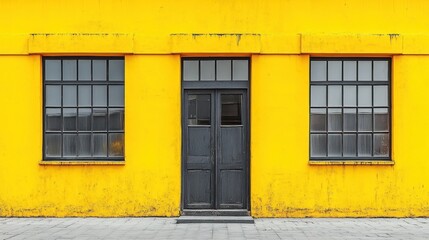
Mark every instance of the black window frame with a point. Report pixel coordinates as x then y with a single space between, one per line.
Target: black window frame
356 83
77 83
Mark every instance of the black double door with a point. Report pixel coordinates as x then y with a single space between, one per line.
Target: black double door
215 138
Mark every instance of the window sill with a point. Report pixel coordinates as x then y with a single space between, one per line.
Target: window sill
351 162
81 162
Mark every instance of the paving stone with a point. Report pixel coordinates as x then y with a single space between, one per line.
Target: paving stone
166 228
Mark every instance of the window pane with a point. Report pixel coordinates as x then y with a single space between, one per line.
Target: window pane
349 119
223 70
53 145
364 71
84 145
365 119
69 70
334 145
364 145
203 109
349 96
84 72
381 70
334 96
318 71
84 122
318 119
380 96
349 70
77 119
53 119
334 70
192 109
69 116
190 70
335 120
99 70
318 145
53 70
207 70
116 70
69 96
53 96
318 96
199 109
116 119
240 70
349 145
381 119
116 144
99 119
100 145
365 96
116 96
69 145
99 94
231 109
84 96
381 145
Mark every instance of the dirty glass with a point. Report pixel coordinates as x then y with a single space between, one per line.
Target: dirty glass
83 108
349 108
199 108
231 109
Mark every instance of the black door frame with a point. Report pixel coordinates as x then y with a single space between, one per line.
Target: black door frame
215 85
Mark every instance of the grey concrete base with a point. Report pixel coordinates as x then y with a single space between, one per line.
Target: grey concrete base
215 219
215 212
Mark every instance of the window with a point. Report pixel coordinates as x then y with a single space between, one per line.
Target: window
218 69
350 108
83 108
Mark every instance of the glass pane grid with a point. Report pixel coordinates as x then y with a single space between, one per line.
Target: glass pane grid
215 69
346 123
71 112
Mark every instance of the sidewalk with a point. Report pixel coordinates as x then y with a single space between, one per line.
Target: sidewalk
166 228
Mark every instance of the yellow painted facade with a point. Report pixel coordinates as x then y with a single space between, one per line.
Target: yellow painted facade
280 37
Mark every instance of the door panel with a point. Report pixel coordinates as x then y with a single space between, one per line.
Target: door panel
231 157
198 194
231 189
199 140
231 146
215 138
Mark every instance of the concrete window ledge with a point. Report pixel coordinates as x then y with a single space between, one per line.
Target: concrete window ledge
351 162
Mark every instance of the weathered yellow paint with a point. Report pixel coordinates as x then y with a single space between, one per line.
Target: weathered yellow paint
283 184
351 43
80 43
279 36
215 43
147 185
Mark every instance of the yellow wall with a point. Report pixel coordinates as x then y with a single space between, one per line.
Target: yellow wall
283 184
149 182
280 36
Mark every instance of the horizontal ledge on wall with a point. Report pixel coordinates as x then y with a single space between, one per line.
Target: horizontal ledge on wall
214 44
351 162
82 162
352 43
54 43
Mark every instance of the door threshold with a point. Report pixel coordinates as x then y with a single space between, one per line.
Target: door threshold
215 212
215 219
